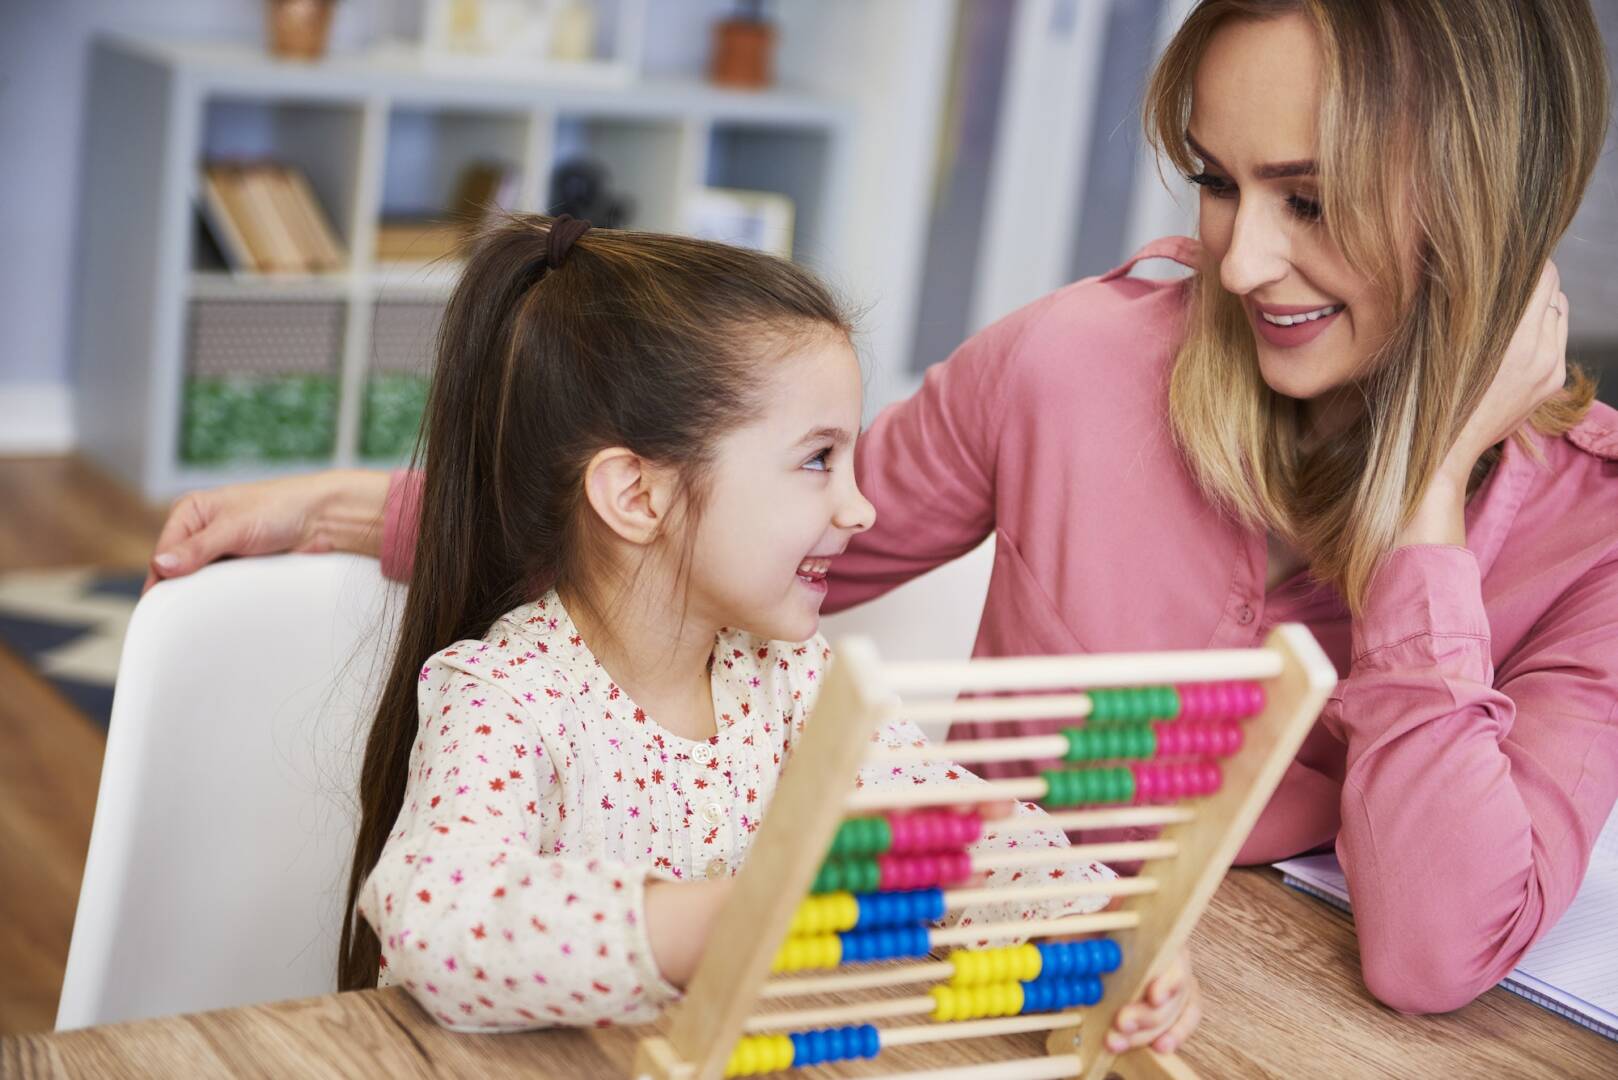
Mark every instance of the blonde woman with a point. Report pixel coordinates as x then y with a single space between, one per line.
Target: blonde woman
1357 415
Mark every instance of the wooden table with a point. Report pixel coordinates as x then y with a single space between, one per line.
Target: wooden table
1280 971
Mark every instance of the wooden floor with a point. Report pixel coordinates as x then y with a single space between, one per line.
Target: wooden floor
57 512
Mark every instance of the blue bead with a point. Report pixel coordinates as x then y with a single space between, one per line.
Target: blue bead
865 904
1090 991
870 1040
1112 955
800 1049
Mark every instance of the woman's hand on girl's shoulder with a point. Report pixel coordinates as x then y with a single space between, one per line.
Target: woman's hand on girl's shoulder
337 510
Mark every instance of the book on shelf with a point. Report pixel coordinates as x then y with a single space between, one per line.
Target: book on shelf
265 218
483 187
221 221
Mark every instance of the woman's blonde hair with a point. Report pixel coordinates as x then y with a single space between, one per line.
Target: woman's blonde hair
1474 124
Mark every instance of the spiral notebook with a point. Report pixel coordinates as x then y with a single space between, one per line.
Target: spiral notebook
1572 971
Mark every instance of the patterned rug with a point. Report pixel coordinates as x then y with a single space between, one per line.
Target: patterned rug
69 626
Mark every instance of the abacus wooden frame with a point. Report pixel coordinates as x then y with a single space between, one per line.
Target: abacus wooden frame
859 694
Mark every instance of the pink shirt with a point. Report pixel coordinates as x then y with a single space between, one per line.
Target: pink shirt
1468 757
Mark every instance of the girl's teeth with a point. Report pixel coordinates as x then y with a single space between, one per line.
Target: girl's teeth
1307 316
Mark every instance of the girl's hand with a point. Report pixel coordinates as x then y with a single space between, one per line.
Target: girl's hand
329 511
1165 1016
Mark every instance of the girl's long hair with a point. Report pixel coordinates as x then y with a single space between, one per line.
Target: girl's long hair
1484 116
651 342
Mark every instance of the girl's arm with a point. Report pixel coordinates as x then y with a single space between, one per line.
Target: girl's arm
483 912
1472 797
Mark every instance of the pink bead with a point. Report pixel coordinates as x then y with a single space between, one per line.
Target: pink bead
1173 781
1255 699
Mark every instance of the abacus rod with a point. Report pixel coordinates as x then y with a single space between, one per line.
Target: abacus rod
1123 886
1117 817
977 1029
969 751
1055 1067
1031 928
863 1012
1111 818
1028 707
912 795
1121 851
880 978
934 678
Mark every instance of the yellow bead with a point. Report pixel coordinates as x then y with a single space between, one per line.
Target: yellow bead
1013 963
756 1054
972 1002
825 914
846 911
808 953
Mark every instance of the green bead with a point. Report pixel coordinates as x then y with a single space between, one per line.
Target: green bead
862 836
865 876
881 836
1169 706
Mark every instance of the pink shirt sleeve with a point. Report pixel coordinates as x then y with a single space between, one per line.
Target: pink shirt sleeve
1472 798
401 519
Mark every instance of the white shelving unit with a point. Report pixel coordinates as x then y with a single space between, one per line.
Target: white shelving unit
375 132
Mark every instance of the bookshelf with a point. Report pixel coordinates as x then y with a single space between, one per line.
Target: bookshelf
168 341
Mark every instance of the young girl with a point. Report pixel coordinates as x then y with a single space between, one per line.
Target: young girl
638 473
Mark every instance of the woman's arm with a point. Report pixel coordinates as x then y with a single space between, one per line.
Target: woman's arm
337 510
483 913
1471 798
927 464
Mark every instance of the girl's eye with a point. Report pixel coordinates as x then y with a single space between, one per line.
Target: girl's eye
821 461
1217 186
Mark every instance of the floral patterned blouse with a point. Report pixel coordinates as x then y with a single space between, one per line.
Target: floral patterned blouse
541 799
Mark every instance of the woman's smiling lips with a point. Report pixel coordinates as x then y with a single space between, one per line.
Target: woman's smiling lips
1287 326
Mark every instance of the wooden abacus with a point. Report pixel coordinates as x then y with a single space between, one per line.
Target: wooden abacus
1195 742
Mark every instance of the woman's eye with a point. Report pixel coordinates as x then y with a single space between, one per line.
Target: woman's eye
1307 209
1217 186
821 461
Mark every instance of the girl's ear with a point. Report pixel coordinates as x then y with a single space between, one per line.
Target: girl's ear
627 492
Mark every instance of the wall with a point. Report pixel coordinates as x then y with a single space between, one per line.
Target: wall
44 47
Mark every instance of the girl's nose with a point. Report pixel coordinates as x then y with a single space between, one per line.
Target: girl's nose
856 512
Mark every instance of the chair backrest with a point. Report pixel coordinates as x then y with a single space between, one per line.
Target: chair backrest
225 817
226 813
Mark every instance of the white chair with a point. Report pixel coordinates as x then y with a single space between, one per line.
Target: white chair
218 859
222 834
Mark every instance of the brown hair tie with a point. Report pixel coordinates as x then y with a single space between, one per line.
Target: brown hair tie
564 232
